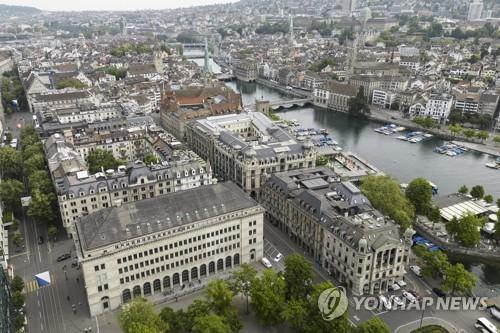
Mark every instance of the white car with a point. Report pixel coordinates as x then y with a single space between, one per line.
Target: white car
397 301
266 262
278 257
409 297
402 283
416 270
395 287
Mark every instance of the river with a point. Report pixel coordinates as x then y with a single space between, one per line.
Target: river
399 159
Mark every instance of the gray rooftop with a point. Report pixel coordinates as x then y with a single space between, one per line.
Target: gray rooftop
132 220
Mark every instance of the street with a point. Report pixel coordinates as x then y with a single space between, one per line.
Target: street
458 321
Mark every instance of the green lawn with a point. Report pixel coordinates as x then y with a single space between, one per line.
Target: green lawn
431 329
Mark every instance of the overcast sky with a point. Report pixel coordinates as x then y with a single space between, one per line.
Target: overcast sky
110 4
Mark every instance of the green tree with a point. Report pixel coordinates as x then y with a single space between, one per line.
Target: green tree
40 180
458 280
17 284
482 135
32 148
104 159
373 325
11 163
455 129
463 189
298 276
17 238
435 263
469 133
40 208
466 229
140 316
211 323
52 231
268 298
34 163
150 159
488 198
18 299
385 195
419 193
242 280
219 296
302 315
477 192
177 321
496 139
11 191
358 105
434 214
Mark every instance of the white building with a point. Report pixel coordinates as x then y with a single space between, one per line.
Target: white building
383 98
438 106
475 10
162 244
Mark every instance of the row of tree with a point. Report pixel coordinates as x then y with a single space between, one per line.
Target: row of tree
17 300
276 299
12 89
28 163
456 279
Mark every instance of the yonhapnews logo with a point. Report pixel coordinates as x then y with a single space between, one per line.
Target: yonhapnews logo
332 303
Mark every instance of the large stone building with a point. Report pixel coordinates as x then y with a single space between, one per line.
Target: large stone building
245 147
81 193
334 222
182 106
162 244
245 70
334 95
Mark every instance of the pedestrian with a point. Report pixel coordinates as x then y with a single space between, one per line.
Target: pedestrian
67 297
77 280
176 298
79 303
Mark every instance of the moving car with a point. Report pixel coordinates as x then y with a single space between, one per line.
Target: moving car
266 262
278 257
63 257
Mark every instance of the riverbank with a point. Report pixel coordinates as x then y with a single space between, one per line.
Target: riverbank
489 254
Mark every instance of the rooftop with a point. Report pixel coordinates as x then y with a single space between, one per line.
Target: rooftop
140 218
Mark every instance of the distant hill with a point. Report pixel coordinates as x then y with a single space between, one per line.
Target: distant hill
7 10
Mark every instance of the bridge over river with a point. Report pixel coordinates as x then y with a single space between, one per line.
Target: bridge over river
284 104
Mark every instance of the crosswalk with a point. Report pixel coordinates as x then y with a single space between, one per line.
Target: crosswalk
32 285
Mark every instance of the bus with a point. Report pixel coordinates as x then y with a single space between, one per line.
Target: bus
485 326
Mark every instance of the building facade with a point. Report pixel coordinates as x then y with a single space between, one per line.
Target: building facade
334 96
162 244
246 70
82 193
335 223
245 147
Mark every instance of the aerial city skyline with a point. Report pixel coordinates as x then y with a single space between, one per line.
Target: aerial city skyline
301 166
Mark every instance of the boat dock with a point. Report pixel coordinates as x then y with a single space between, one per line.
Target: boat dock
351 166
493 151
451 149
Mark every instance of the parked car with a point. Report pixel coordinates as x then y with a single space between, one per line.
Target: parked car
414 293
416 270
63 257
409 297
266 262
439 292
397 301
402 283
278 257
394 287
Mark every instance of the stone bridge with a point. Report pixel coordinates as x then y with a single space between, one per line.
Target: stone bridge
284 104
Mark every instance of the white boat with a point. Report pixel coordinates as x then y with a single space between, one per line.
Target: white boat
402 137
451 153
